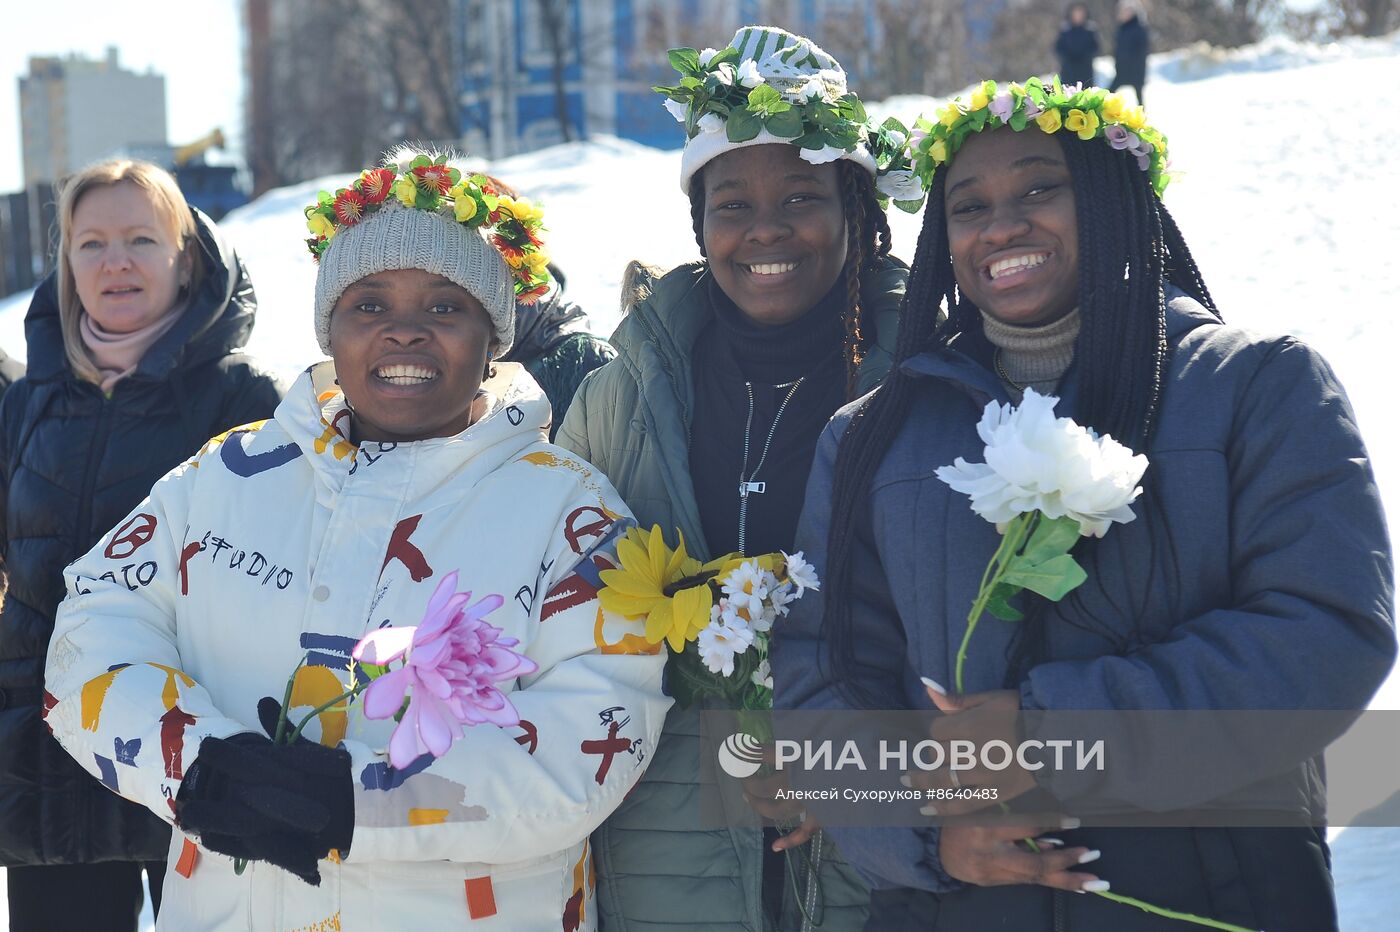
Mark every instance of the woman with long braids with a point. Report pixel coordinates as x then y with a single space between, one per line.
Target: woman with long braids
1061 270
729 368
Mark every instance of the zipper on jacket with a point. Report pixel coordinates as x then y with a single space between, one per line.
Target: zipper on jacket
748 481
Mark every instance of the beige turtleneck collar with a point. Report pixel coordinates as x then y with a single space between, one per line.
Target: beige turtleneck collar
1032 357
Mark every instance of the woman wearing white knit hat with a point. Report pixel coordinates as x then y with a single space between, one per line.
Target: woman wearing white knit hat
406 468
707 423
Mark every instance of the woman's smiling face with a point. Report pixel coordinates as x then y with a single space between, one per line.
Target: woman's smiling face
774 230
410 350
1012 228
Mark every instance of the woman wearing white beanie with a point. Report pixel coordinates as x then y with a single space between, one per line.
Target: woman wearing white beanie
707 422
403 469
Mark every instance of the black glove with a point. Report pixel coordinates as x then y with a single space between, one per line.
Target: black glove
287 805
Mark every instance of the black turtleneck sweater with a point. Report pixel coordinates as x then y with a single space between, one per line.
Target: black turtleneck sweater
732 355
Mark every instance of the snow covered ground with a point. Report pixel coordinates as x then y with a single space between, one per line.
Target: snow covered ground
1287 196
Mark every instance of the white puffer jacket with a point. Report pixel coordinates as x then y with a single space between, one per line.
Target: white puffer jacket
280 541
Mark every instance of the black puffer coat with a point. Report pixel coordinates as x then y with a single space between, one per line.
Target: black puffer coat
1076 47
554 344
72 464
1130 54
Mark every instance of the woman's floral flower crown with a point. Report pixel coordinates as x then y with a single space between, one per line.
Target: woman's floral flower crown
513 225
1088 112
720 93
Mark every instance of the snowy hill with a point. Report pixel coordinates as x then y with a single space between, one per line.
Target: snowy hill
1287 197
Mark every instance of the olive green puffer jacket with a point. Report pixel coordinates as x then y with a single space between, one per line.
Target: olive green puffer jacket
658 870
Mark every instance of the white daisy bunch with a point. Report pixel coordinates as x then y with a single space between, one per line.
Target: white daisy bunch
751 600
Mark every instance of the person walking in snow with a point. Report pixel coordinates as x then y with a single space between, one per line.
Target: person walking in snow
1212 598
133 363
1076 46
553 340
729 367
1130 47
409 465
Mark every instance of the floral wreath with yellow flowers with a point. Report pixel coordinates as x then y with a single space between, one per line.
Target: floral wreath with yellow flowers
513 225
1089 113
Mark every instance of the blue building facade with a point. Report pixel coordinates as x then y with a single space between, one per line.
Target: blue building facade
613 51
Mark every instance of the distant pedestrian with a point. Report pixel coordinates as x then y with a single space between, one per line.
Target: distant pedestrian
1130 49
1077 45
133 365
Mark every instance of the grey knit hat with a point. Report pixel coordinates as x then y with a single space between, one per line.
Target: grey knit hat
398 237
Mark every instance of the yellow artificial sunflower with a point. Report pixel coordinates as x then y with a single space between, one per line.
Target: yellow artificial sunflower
668 588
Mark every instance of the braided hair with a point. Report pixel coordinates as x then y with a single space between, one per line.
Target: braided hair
867 239
1129 247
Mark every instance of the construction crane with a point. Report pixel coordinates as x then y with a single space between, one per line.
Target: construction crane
183 155
211 188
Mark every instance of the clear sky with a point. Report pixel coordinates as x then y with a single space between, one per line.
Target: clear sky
196 44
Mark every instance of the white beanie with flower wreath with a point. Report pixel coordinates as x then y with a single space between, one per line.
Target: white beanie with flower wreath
770 86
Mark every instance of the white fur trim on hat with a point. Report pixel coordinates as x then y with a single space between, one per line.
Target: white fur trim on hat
398 237
707 146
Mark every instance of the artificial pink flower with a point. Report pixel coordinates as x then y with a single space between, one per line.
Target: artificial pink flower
453 662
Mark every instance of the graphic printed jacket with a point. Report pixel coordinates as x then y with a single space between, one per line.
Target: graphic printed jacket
282 540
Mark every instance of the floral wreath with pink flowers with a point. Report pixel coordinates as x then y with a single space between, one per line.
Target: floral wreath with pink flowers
1088 112
513 225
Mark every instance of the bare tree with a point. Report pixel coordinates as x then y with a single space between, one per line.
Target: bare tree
554 23
336 82
1336 19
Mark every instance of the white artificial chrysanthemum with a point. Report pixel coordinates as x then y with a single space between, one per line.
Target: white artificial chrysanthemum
763 674
719 643
707 56
725 74
745 589
801 573
676 109
710 123
748 74
1038 462
900 186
